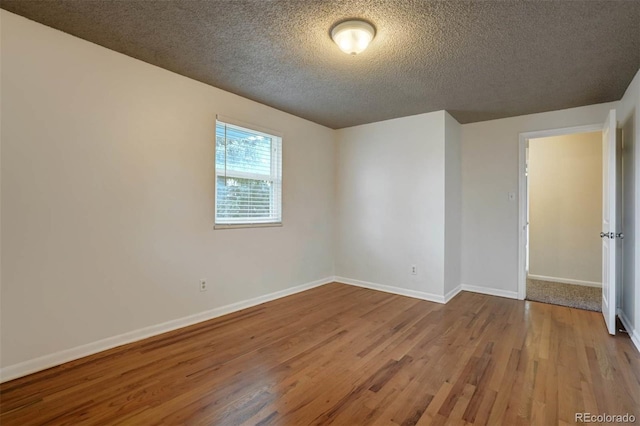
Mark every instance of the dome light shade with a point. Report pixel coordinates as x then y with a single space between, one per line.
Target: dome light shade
352 37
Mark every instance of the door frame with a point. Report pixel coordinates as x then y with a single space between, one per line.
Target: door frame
523 196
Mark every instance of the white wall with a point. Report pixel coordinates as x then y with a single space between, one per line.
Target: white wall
107 196
489 173
565 207
629 120
453 205
390 203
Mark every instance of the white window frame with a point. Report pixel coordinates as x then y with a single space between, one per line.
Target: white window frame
275 176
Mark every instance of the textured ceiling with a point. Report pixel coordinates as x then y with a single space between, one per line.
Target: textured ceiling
478 60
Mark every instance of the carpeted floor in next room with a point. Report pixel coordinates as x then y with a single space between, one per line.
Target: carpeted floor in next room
574 296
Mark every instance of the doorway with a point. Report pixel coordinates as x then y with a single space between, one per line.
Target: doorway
523 198
564 218
611 234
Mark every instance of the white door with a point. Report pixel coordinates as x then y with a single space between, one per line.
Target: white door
608 234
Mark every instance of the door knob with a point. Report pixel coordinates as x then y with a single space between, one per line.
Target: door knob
602 235
620 235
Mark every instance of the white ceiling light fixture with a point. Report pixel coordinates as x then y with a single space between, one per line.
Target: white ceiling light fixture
352 37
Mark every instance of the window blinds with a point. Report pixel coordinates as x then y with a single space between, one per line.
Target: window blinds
248 176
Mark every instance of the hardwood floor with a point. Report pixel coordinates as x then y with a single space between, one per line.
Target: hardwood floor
346 355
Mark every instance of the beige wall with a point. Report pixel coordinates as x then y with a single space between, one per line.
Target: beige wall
107 196
565 207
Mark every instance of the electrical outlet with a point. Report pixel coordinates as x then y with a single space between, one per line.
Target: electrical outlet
414 270
203 285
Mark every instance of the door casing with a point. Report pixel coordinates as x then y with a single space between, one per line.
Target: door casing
523 196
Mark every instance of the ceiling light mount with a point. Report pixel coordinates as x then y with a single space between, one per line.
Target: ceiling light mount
353 36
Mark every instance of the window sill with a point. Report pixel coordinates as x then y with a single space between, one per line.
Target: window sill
246 225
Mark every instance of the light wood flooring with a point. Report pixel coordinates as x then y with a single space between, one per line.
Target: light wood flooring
344 355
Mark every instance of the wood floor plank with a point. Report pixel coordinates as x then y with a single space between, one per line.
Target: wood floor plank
339 354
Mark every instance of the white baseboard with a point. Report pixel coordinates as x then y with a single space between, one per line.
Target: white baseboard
633 333
490 291
453 293
564 280
428 296
37 364
394 290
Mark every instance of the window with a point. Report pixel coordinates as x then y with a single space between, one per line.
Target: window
248 176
